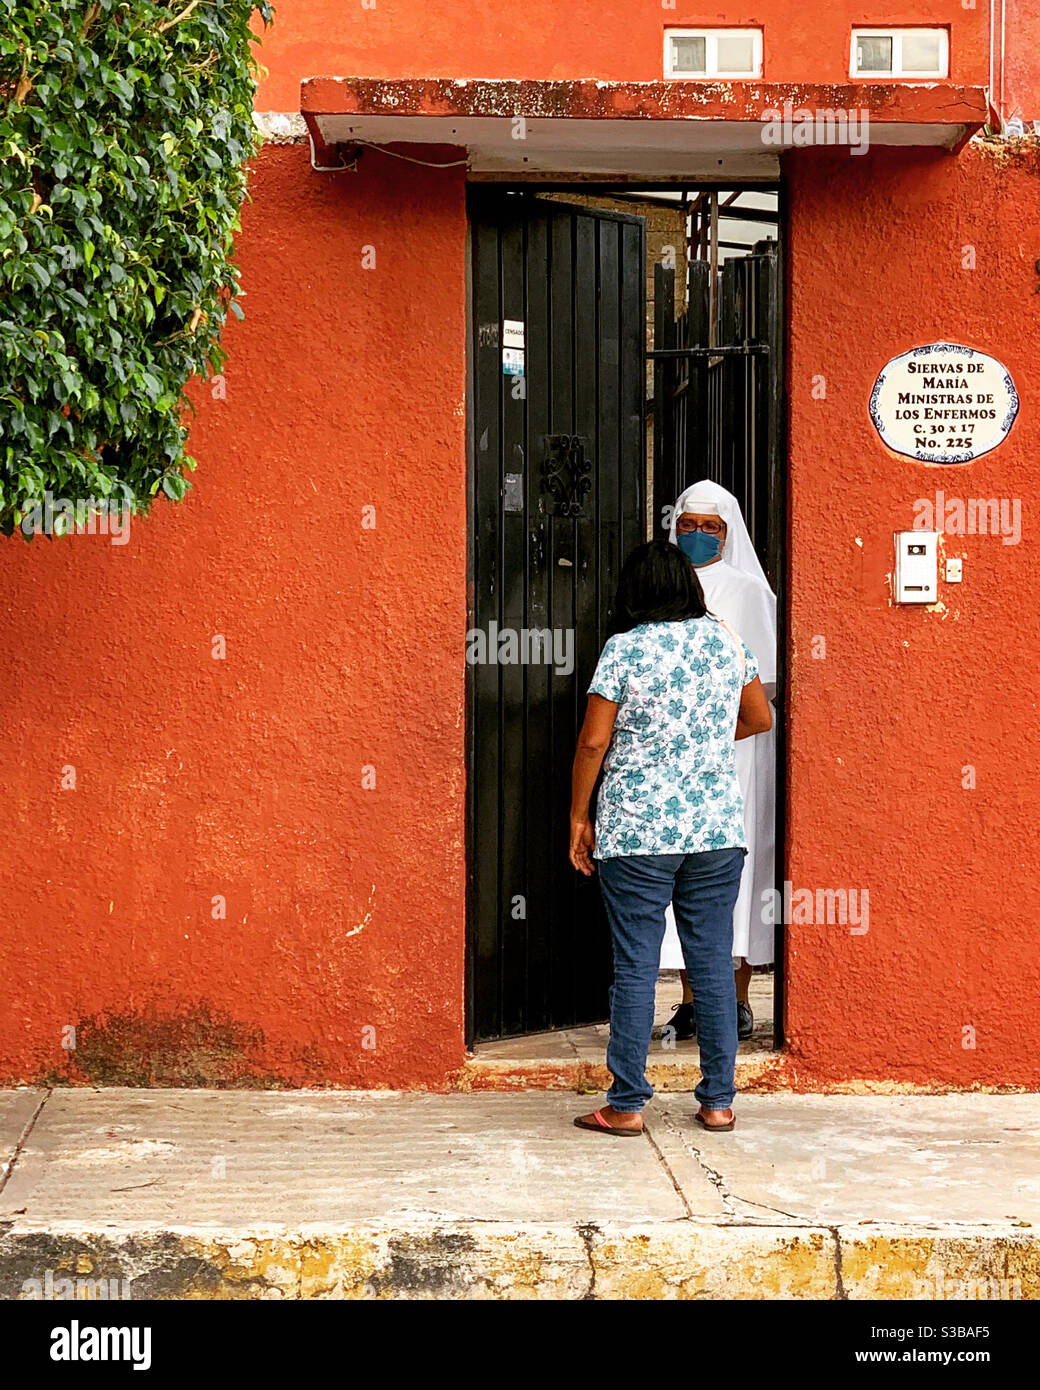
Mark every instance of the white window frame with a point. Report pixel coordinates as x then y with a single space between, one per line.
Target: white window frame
897 34
711 37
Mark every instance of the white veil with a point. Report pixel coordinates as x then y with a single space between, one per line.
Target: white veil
739 592
711 499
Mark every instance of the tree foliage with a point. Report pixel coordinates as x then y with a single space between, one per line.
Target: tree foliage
125 126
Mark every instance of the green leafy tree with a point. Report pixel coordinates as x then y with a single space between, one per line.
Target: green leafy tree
125 127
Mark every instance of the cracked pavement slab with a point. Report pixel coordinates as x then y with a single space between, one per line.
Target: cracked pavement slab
842 1159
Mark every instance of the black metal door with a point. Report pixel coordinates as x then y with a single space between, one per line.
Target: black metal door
717 392
557 498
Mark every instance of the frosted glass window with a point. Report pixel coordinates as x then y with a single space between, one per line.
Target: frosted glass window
874 54
688 55
921 52
713 53
900 53
735 54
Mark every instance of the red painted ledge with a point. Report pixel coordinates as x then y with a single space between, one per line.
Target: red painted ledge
939 103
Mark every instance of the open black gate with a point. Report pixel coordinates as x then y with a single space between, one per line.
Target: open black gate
718 413
717 391
557 499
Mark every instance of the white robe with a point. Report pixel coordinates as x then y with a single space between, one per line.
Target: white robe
748 605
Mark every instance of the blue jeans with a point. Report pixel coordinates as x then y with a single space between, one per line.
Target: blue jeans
703 890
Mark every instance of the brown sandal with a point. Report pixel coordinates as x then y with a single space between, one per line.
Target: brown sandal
603 1126
715 1129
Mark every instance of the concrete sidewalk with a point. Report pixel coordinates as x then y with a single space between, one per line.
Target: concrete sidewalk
250 1194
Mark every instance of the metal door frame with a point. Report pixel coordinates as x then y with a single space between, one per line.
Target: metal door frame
779 532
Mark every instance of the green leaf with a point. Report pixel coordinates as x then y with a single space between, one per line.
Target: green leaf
175 486
135 141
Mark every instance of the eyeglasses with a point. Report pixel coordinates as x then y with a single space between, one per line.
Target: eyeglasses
710 528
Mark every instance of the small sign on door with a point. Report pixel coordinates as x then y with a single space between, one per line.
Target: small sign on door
513 361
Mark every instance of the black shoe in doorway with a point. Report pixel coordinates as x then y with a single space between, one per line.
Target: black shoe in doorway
745 1021
682 1026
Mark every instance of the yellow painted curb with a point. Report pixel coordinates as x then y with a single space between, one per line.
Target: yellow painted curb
480 1260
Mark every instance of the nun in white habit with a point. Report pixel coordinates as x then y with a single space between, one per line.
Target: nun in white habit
737 591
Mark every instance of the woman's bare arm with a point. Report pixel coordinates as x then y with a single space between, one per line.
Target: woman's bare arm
754 715
593 742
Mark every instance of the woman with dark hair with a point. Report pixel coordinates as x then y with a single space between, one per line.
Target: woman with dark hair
673 689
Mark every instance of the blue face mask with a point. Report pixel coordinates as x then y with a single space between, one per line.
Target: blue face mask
698 547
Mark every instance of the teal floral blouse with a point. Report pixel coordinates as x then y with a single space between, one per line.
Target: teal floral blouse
669 778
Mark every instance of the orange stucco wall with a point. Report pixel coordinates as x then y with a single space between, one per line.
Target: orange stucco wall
340 959
1019 81
613 40
882 728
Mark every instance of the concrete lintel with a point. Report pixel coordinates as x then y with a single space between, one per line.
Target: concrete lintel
694 131
926 103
